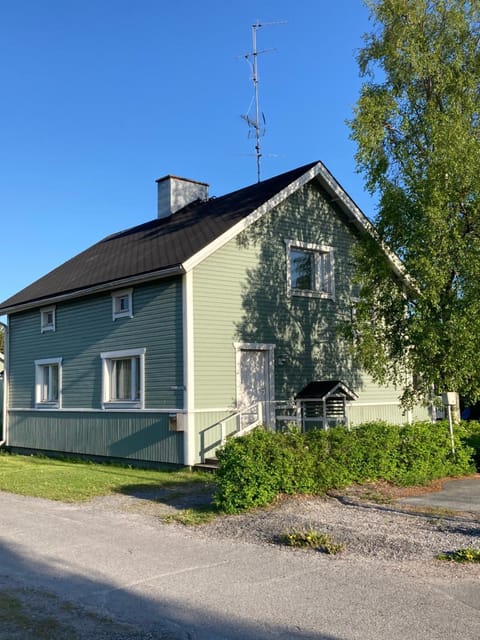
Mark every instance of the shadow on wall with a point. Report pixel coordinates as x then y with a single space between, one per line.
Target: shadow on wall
306 331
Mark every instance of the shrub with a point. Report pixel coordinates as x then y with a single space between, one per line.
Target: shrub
246 475
471 438
255 468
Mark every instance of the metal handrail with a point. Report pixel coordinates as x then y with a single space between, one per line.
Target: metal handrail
241 431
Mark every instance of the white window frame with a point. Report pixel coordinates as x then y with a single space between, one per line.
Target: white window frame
40 367
117 311
107 370
44 314
324 282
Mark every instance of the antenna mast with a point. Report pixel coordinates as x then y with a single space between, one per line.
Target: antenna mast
254 123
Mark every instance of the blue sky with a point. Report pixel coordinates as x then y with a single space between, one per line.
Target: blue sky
102 97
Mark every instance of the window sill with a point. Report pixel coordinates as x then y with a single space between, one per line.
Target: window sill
127 314
122 406
303 293
45 406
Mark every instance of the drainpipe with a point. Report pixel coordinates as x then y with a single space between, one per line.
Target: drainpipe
3 435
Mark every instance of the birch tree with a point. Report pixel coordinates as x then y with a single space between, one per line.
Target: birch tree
417 129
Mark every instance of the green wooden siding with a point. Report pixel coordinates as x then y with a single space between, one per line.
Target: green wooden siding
218 285
208 431
135 436
85 329
240 295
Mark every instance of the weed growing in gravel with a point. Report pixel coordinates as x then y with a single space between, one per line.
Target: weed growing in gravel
192 517
312 539
461 555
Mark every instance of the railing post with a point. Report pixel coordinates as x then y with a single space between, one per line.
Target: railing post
260 412
223 434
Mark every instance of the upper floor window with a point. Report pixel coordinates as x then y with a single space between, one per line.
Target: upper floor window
48 383
122 306
123 379
47 319
310 269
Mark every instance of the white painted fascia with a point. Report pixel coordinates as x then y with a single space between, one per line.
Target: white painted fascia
360 220
231 233
328 182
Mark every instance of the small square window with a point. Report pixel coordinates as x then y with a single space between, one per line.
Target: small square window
310 270
47 319
48 378
122 304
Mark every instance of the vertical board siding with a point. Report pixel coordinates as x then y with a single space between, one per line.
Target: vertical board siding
135 436
85 329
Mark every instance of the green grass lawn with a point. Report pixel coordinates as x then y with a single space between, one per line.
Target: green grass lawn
76 481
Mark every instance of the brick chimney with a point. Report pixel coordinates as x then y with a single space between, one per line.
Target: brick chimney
175 193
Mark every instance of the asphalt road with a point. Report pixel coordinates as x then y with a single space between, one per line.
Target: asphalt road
462 494
169 582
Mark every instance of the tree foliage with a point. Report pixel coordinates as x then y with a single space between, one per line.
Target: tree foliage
417 130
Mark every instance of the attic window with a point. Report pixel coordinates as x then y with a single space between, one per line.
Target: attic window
47 319
309 269
122 304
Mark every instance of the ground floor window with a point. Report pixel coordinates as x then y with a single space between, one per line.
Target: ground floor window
48 383
123 378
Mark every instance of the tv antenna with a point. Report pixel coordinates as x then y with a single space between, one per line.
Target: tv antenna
256 121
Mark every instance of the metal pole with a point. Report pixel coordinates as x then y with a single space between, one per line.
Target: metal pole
450 424
255 84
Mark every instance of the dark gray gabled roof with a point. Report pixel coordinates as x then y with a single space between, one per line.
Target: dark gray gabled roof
154 249
173 245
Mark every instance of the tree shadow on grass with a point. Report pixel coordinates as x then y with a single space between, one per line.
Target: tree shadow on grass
189 504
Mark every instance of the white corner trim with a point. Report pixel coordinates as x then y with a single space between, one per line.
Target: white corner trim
189 454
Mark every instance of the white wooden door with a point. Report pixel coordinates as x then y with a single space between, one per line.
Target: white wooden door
253 384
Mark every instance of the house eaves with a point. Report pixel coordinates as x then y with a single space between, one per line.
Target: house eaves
176 244
105 286
337 195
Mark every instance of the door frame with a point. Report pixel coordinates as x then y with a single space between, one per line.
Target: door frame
269 350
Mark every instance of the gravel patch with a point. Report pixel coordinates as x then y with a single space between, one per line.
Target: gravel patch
385 532
367 530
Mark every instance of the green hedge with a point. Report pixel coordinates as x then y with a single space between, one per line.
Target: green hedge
472 439
254 469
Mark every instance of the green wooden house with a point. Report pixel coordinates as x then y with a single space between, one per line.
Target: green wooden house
158 342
